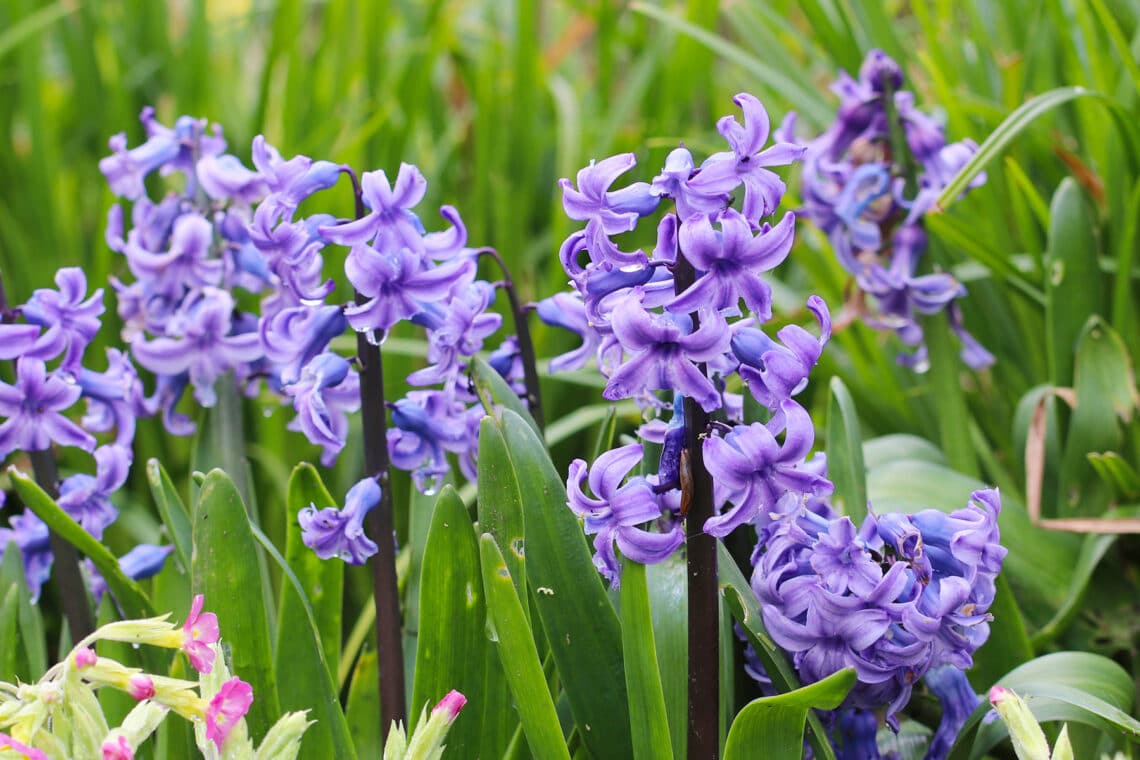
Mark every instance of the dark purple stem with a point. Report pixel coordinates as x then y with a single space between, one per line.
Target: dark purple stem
704 610
526 345
389 643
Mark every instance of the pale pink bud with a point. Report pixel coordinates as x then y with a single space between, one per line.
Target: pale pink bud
140 687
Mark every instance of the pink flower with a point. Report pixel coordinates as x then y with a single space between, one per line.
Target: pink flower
227 707
85 658
118 749
453 703
31 753
198 632
140 687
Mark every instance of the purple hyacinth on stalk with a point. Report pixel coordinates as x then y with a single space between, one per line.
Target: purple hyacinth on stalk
339 532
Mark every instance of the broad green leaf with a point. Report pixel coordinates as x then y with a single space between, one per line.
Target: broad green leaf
31 658
171 509
9 632
742 603
453 618
363 707
1073 287
130 594
845 453
577 617
897 447
1093 548
1117 473
668 600
496 394
225 569
323 580
500 502
1106 396
773 727
511 636
309 621
648 721
1077 687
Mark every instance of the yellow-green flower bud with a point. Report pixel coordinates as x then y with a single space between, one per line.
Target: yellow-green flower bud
283 741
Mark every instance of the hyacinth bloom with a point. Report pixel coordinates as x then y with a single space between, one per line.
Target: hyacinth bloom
228 706
754 471
32 411
775 372
730 262
616 512
456 328
198 632
293 337
185 264
566 310
958 700
30 536
333 532
425 426
665 350
205 349
607 212
168 149
290 182
390 224
87 498
114 398
323 396
71 321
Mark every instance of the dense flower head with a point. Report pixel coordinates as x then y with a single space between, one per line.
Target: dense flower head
900 596
32 410
870 195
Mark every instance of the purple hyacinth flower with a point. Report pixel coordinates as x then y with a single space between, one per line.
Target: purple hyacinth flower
332 532
205 348
456 328
924 135
30 535
397 285
186 264
327 390
857 731
730 262
290 182
973 353
71 321
610 211
566 310
87 498
425 426
142 562
857 212
17 339
665 349
674 182
958 699
32 410
169 149
291 338
391 224
754 471
721 172
616 512
224 178
775 372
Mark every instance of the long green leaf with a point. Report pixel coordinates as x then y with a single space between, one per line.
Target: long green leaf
452 642
773 727
579 621
31 659
130 595
845 453
363 707
308 634
171 509
648 722
511 636
495 394
225 568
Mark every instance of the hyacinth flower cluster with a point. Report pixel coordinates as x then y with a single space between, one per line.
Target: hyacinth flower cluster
868 182
229 279
60 716
900 598
671 320
46 338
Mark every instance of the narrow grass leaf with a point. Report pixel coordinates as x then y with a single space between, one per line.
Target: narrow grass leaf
511 636
648 721
495 394
363 706
845 453
171 509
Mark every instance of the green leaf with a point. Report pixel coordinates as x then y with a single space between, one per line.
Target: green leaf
1016 123
845 453
1093 548
130 594
364 706
225 569
648 721
31 658
9 633
773 727
451 652
1073 287
309 624
496 394
897 447
500 502
1117 473
1078 687
669 605
577 617
512 637
742 603
171 509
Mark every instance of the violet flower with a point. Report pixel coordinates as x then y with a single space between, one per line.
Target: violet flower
142 562
32 407
391 223
29 535
114 398
326 392
616 512
425 426
774 372
71 321
333 532
290 182
86 498
566 310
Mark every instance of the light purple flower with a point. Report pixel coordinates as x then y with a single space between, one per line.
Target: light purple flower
327 390
730 262
616 512
611 211
391 224
425 426
205 348
169 149
185 264
29 534
293 337
71 321
566 310
32 410
142 562
86 498
775 372
332 532
674 182
958 700
17 339
224 178
456 328
290 182
664 350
